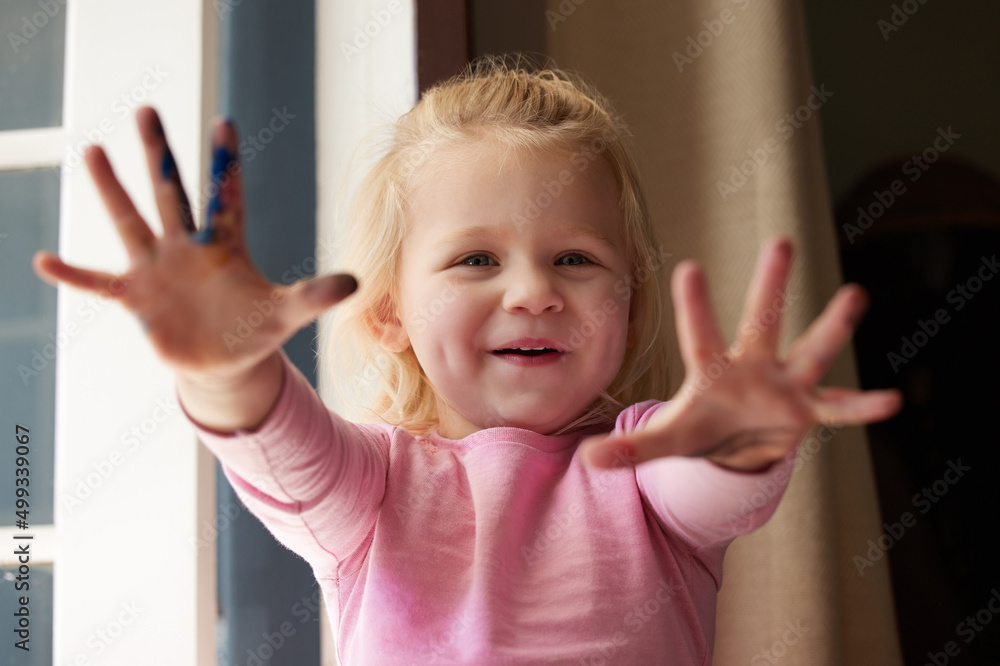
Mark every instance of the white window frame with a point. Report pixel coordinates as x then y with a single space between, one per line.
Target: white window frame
132 582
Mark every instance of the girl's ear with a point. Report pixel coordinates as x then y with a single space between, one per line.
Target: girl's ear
393 337
387 329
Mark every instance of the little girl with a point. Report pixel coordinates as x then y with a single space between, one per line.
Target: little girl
523 495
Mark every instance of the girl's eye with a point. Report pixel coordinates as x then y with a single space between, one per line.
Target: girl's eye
579 256
479 259
465 262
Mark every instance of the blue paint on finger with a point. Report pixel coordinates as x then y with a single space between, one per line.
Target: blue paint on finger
168 167
221 161
204 236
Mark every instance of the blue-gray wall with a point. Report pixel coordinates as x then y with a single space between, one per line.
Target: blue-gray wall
267 51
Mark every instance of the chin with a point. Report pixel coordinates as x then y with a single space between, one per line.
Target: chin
543 427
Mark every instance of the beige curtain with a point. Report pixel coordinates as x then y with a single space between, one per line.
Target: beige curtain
701 83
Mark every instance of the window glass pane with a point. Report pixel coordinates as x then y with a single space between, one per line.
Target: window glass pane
29 341
34 587
31 63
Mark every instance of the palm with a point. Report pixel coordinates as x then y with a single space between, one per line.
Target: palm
743 406
194 301
204 306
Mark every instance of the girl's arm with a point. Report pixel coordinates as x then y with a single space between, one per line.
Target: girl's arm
194 290
742 407
314 478
240 403
703 503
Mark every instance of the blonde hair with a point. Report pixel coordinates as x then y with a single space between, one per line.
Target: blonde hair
517 105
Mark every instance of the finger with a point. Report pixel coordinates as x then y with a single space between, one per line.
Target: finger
840 406
224 215
171 200
307 299
54 270
697 330
760 324
608 452
814 352
133 230
663 435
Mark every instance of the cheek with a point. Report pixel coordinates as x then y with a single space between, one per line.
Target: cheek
614 304
439 323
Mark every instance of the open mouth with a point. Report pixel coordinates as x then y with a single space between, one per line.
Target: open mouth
527 352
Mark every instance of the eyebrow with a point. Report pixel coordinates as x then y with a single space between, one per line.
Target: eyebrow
492 233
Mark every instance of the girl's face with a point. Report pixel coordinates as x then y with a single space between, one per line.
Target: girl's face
522 253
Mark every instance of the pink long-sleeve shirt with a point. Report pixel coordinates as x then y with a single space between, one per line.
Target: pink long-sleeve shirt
499 548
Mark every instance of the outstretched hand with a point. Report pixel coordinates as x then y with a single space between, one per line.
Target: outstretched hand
191 288
743 407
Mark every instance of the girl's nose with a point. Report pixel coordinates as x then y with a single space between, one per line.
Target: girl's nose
533 289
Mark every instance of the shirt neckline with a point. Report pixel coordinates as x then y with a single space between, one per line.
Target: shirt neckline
500 434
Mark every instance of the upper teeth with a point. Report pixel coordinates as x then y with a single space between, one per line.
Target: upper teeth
531 348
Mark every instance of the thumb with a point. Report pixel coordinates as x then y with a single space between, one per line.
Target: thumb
307 299
608 452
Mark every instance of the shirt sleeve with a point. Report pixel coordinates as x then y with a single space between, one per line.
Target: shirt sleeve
706 504
314 479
